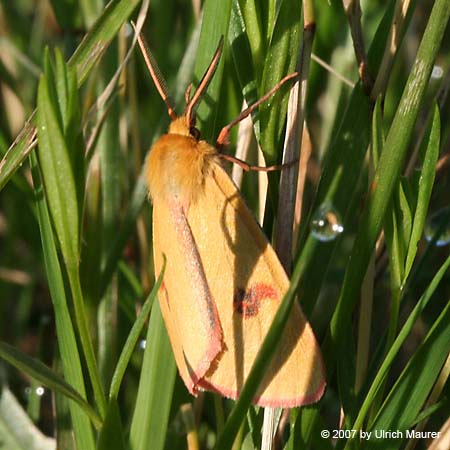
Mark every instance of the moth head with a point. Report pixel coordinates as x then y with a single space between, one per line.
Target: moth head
189 115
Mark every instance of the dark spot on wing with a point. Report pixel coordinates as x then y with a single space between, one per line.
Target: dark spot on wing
248 301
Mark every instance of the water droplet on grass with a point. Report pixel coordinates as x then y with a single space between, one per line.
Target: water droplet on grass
326 223
438 223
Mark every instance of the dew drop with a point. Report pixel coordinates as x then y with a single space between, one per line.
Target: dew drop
142 344
128 30
439 222
437 72
326 223
40 391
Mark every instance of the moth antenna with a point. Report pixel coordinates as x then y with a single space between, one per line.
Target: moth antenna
156 75
223 138
203 85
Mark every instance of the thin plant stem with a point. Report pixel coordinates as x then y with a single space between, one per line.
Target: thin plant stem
395 34
244 139
353 10
187 415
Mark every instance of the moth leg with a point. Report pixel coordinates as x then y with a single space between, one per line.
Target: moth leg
224 134
247 167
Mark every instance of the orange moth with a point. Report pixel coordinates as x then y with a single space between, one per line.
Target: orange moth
223 281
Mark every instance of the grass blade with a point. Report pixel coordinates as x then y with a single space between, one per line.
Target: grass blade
426 182
133 337
414 384
281 59
111 435
151 413
406 329
66 336
60 189
216 18
38 371
57 170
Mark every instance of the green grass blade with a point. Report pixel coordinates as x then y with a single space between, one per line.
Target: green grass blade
100 35
67 98
57 172
242 55
216 18
111 163
399 237
394 245
425 188
404 213
17 153
40 372
151 413
64 426
254 34
133 337
414 384
60 190
66 336
403 334
280 60
377 136
428 411
111 435
85 339
306 425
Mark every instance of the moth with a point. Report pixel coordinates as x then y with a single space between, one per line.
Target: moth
223 282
